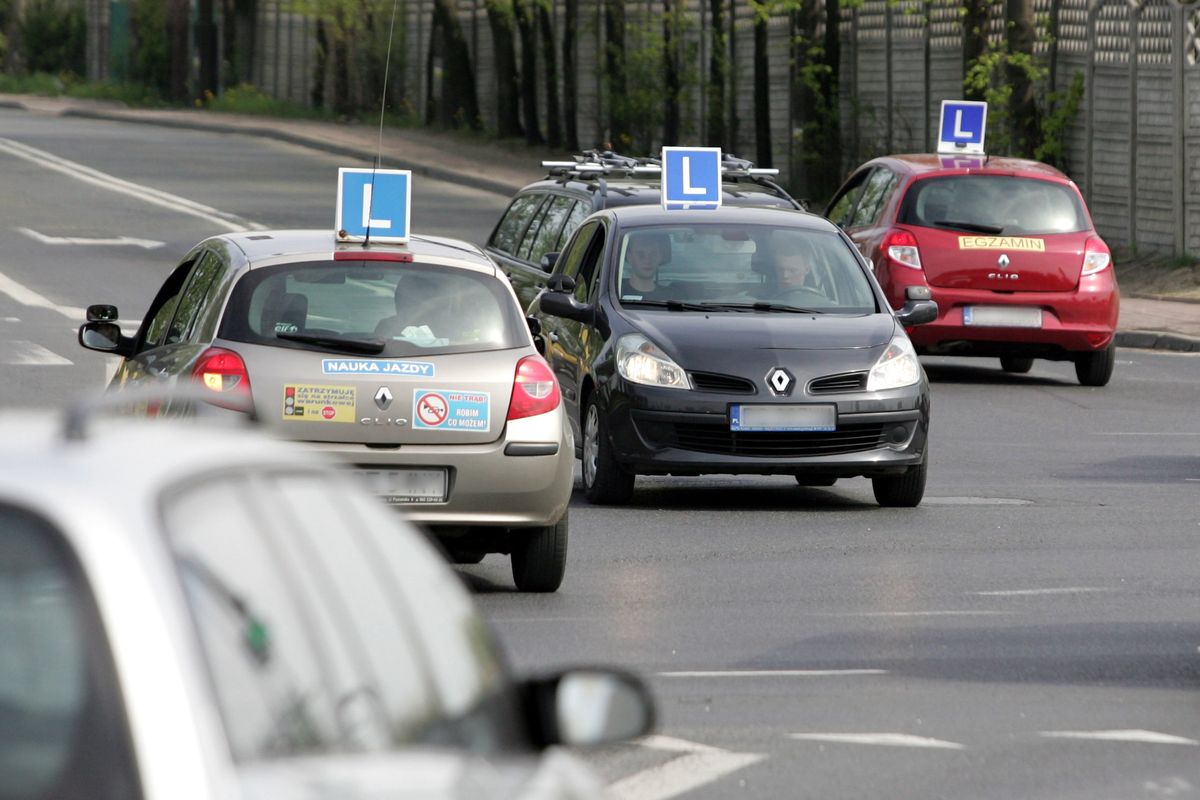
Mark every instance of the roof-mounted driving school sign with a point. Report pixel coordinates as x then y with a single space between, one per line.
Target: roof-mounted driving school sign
691 177
963 125
373 204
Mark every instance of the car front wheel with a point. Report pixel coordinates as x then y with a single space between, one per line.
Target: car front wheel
1095 369
539 557
902 491
605 482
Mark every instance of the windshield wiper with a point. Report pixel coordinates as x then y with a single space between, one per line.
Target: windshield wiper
673 305
350 345
974 227
764 306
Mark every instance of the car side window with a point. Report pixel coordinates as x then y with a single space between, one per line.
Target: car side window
842 208
575 218
158 317
557 213
572 258
587 279
191 299
508 233
63 729
531 231
878 187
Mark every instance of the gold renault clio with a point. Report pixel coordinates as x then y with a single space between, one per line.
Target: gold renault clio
413 362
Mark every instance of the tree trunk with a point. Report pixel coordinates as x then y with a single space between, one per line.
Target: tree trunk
1022 108
206 43
671 82
715 122
570 87
453 103
343 105
975 41
179 47
508 121
526 26
614 72
237 49
762 88
554 135
819 148
320 64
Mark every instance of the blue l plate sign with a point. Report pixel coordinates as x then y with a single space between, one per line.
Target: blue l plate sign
691 177
374 203
964 123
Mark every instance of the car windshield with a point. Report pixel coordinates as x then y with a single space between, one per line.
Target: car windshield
388 310
994 204
761 268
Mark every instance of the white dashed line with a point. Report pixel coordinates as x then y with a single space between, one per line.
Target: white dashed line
773 673
975 501
1034 592
1134 735
918 614
697 765
880 739
28 297
23 353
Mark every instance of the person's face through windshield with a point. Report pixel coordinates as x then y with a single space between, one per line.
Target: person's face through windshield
644 256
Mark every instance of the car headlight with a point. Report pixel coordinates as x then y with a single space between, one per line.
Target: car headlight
898 366
639 360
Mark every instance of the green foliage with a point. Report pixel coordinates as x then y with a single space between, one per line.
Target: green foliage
1062 108
248 99
150 57
52 35
37 83
986 78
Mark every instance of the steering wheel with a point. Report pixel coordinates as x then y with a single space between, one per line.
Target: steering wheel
799 295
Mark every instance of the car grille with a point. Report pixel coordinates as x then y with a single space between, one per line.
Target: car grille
727 384
720 440
833 384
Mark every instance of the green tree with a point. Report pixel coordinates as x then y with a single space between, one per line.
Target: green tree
501 19
51 36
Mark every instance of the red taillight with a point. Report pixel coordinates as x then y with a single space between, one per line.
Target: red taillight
535 389
901 247
1096 257
372 255
223 373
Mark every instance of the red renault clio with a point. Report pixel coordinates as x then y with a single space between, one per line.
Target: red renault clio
1005 246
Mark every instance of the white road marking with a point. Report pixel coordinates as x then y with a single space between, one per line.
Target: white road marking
1133 735
1033 592
975 501
883 739
120 241
917 614
773 673
23 353
146 194
29 297
697 765
1149 433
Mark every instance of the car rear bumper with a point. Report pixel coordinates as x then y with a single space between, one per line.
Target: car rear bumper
875 435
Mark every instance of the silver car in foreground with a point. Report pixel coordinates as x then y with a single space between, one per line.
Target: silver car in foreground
189 612
411 362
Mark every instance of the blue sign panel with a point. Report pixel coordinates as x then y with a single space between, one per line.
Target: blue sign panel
691 177
373 204
964 123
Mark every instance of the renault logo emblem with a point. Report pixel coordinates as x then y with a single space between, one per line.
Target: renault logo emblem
1003 260
383 398
780 381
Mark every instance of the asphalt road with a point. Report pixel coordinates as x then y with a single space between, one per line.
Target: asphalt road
1031 631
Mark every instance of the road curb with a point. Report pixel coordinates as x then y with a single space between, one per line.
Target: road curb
1158 340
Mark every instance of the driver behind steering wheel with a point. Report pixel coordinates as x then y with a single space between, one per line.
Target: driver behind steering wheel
791 269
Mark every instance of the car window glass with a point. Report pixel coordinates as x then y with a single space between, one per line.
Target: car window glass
557 213
409 308
994 204
572 258
63 734
843 207
531 230
162 310
577 215
507 235
878 187
191 299
587 278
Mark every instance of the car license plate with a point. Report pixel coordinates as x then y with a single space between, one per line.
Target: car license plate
1003 316
407 485
783 418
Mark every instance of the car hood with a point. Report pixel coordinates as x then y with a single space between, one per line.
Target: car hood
692 336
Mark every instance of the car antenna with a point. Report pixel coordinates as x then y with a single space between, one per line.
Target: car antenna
387 63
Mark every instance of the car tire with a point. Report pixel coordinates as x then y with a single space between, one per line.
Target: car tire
539 557
1016 364
902 491
1095 369
605 482
465 556
816 480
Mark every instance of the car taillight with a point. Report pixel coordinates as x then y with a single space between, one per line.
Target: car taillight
535 389
901 247
1096 257
223 373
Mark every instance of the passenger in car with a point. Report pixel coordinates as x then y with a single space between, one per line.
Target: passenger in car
413 298
644 254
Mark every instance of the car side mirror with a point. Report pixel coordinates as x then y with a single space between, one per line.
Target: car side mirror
548 262
561 283
917 312
588 707
102 313
103 336
561 304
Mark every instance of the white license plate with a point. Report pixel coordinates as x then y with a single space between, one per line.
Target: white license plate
1003 316
783 418
407 485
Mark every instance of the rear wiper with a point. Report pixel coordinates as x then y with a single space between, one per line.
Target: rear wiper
367 346
763 306
975 227
673 305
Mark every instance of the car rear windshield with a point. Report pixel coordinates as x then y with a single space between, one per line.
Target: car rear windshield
996 204
721 264
384 309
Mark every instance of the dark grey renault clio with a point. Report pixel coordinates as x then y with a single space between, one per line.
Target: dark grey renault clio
737 341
